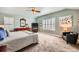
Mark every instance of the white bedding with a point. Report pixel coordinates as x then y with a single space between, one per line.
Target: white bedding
19 40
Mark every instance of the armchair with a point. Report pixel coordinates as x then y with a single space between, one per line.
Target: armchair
72 38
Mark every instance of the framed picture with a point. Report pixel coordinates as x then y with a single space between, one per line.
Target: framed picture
22 22
65 23
65 20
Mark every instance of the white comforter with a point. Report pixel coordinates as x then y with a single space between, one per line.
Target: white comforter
19 40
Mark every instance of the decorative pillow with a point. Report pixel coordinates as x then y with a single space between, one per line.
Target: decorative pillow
2 34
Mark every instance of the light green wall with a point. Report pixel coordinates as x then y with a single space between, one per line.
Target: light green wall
1 19
17 19
58 14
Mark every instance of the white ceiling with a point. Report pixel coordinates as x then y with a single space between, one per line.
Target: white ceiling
21 11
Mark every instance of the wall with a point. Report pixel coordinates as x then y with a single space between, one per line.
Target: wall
56 15
7 18
16 20
77 23
1 20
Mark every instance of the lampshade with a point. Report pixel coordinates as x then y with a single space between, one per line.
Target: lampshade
66 25
2 26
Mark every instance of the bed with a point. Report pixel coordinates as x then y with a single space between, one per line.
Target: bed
20 39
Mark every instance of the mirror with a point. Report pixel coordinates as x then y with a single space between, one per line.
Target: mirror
22 22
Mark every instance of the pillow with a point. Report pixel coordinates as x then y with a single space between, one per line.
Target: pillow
7 34
2 34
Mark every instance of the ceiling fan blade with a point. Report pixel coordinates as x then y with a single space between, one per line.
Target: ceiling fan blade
34 10
37 11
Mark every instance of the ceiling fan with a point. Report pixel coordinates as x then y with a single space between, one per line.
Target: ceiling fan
34 10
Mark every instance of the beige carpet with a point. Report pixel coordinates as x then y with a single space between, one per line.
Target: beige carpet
50 43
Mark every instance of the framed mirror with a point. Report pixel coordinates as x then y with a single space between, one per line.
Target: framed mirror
22 22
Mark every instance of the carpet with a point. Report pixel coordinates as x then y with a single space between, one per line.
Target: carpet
50 43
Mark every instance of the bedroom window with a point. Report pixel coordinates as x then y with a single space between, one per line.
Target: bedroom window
48 24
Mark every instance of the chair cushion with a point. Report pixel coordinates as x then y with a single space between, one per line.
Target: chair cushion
72 38
65 33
